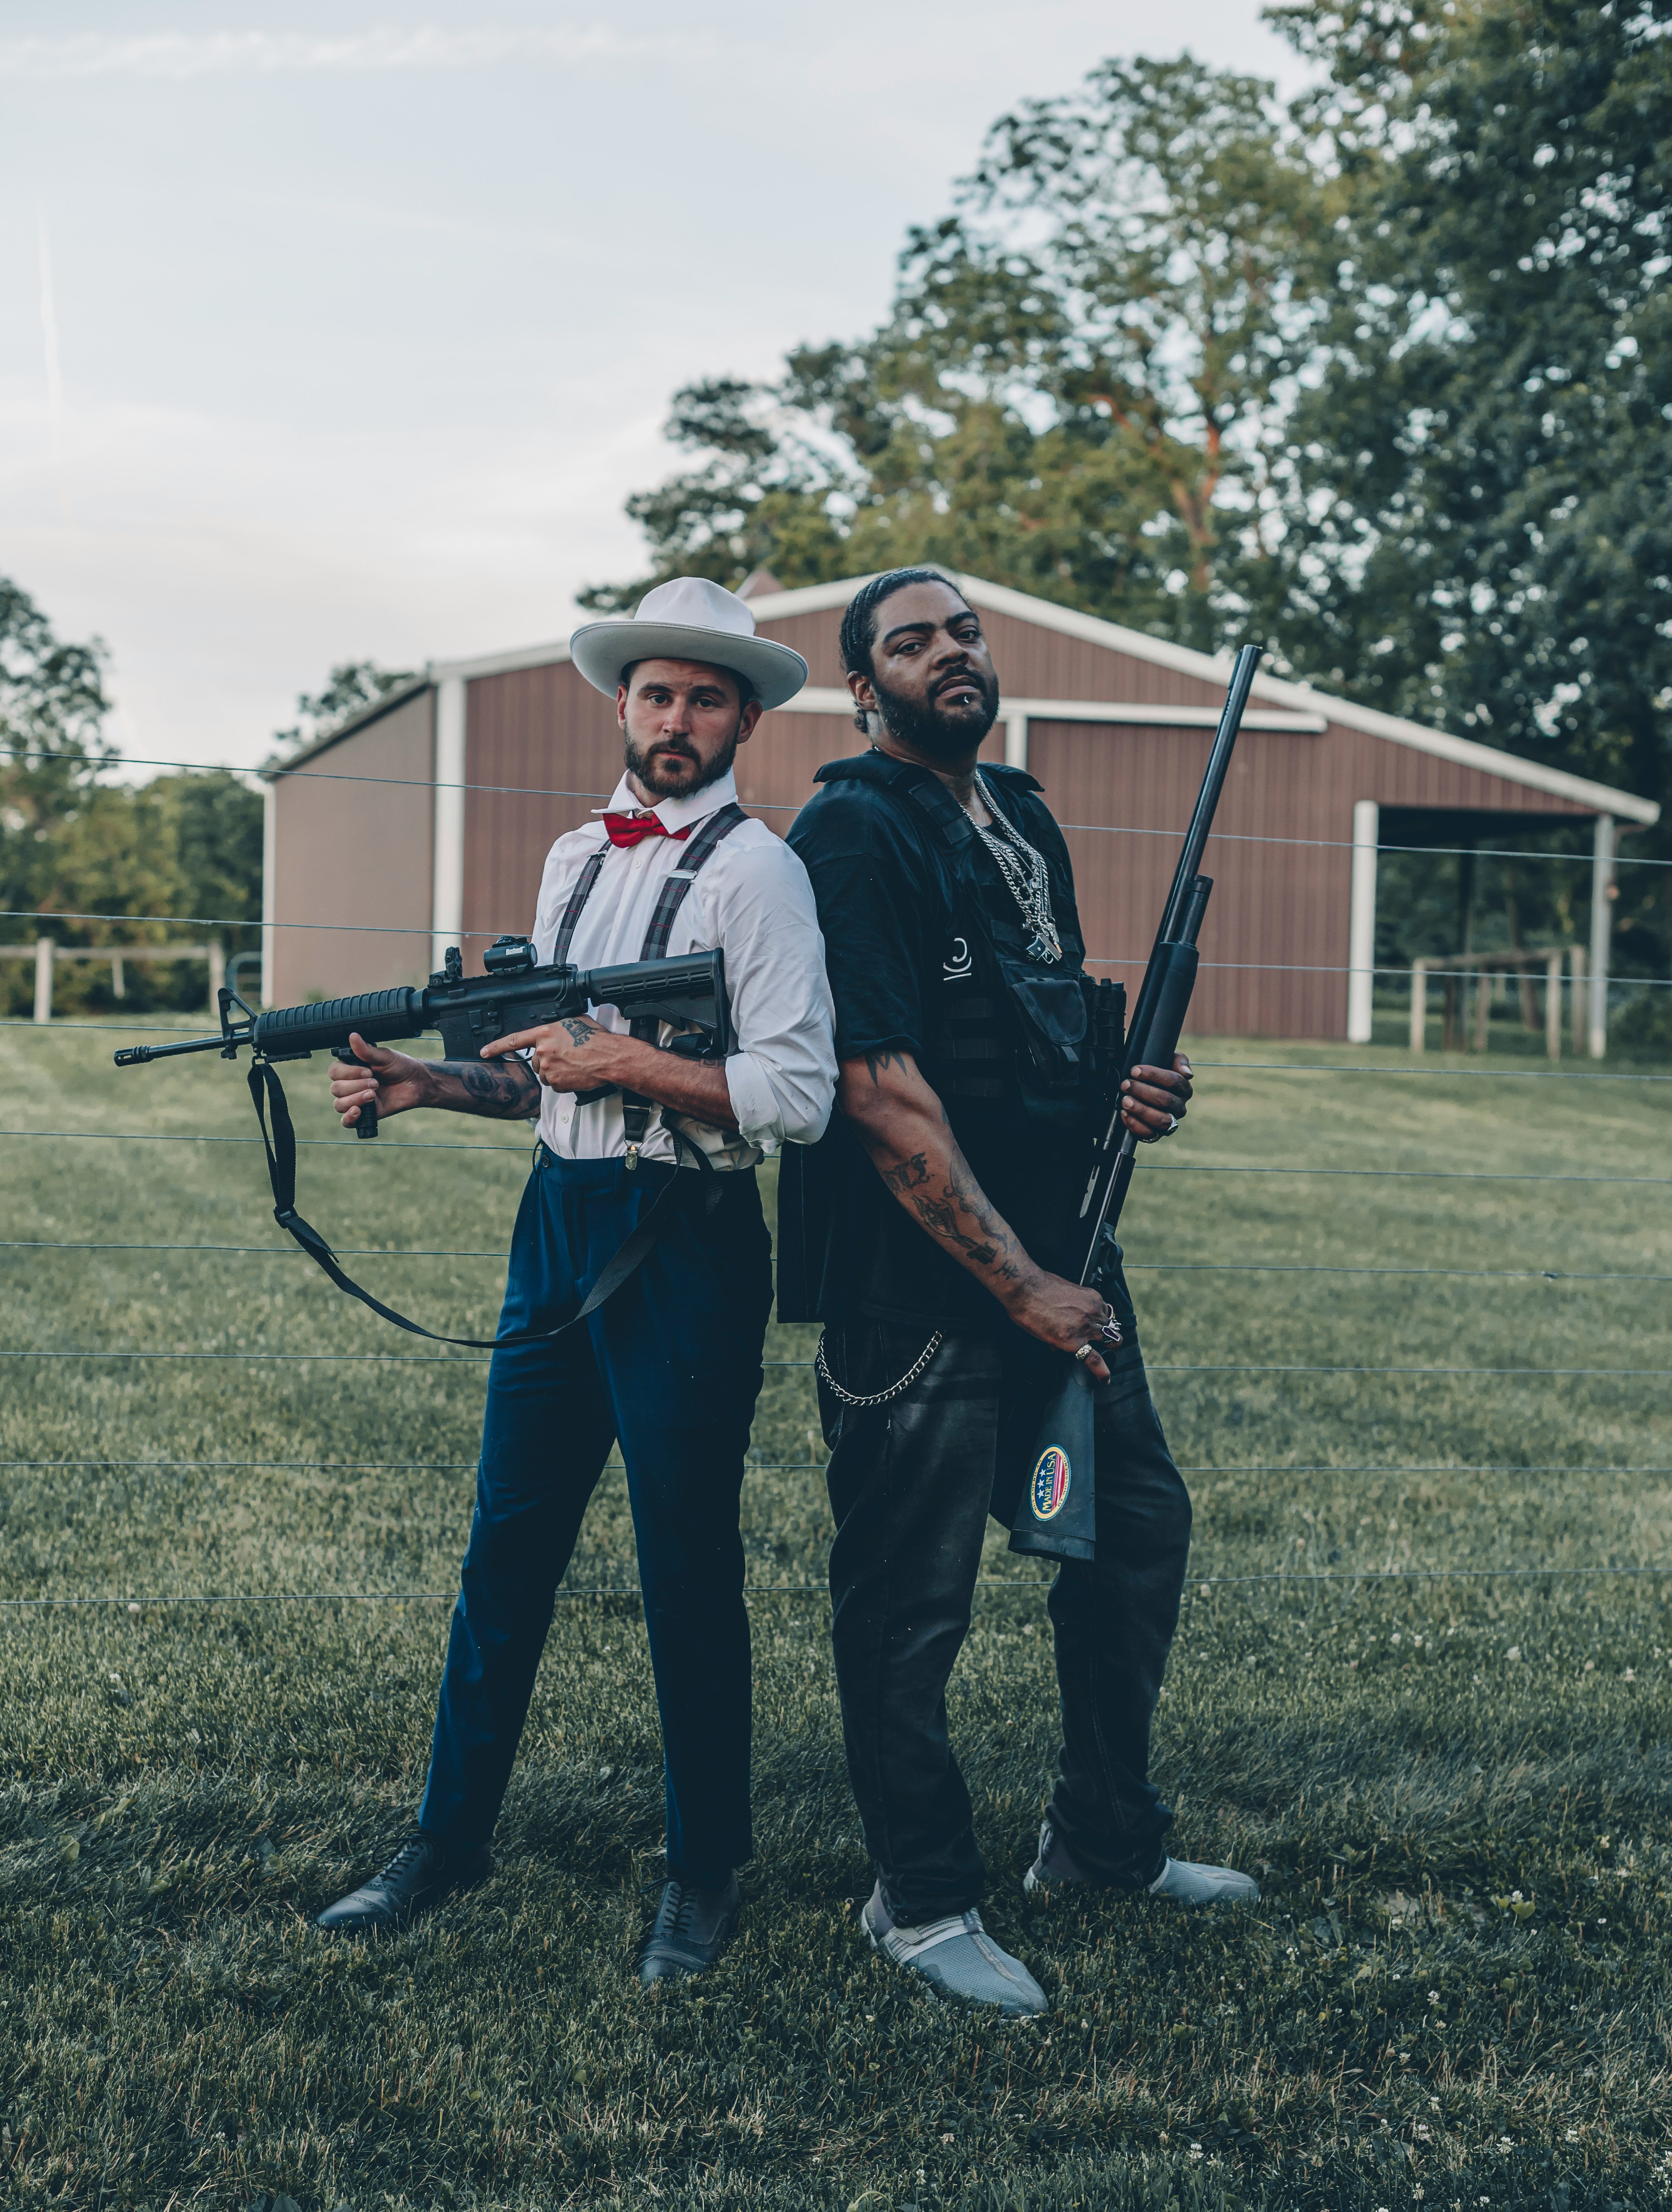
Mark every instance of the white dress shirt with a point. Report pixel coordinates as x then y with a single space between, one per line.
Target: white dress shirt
751 900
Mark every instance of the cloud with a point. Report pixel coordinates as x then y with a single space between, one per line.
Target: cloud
177 54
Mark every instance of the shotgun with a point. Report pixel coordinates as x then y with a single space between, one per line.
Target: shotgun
1057 1517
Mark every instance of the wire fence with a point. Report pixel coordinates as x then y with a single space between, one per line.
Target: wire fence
1013 1584
1360 1374
1133 1267
278 772
1435 973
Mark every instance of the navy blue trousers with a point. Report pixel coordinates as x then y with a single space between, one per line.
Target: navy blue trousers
671 1365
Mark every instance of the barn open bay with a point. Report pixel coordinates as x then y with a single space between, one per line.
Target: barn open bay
1456 1788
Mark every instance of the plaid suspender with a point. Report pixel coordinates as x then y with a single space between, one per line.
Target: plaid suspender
636 1111
578 897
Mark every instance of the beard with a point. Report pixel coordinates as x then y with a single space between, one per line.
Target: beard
941 733
652 772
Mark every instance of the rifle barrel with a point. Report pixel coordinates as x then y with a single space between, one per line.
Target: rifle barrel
136 1055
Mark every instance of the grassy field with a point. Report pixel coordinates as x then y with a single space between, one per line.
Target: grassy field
1455 1992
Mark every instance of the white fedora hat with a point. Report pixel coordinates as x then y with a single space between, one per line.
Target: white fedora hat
689 619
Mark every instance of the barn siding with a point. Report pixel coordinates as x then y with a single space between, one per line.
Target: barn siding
543 750
360 853
546 747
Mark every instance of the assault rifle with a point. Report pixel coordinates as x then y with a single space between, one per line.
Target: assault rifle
470 1011
1057 1517
516 992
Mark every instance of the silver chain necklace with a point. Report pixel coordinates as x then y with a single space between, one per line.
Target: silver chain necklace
1026 873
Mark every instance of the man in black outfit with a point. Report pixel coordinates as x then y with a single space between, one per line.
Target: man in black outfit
926 1232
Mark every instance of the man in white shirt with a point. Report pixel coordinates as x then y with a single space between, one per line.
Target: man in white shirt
670 1363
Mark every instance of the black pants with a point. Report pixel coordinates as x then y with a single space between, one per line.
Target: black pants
672 1366
911 1484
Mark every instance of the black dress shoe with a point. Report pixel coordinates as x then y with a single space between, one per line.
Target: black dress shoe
420 1874
692 1927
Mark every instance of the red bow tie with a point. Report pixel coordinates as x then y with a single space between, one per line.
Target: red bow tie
628 828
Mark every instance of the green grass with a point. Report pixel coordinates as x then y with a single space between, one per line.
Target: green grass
1456 1789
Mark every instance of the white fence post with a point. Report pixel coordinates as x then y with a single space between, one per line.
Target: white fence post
1419 1006
118 980
446 900
217 972
43 979
1016 740
1576 963
1553 1004
269 889
1602 918
1361 924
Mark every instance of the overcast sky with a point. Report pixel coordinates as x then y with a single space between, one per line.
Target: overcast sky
328 337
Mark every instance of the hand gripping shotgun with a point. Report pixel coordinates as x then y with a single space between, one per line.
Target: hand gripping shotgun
1057 1515
469 1010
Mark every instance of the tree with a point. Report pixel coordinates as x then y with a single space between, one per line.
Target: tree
142 859
52 706
1480 532
1081 387
352 686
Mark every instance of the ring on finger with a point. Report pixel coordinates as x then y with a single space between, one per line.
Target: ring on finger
1085 1350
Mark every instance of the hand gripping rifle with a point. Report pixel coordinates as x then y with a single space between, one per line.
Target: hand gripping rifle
1057 1515
516 992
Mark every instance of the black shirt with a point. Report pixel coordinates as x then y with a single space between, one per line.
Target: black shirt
925 944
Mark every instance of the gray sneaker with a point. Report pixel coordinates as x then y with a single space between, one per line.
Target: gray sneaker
1182 1880
1052 1868
1188 1883
958 1957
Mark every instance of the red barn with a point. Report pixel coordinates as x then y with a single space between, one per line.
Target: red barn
425 820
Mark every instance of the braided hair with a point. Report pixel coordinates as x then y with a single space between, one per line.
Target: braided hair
858 628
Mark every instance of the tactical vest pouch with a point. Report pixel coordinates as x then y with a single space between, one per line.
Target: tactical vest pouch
1051 1023
1106 1019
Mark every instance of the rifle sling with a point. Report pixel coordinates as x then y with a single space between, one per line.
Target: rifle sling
268 1094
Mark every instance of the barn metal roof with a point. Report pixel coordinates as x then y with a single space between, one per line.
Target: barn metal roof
1295 706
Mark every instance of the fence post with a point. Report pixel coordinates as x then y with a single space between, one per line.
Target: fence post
1553 1004
118 981
1483 983
1361 923
1576 962
217 972
43 979
269 890
1602 918
1418 1006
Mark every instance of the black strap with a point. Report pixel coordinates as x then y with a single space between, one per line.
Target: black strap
267 1093
636 1111
578 897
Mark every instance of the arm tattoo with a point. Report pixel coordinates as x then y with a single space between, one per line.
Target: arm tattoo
581 1031
908 1174
509 1091
876 1061
958 1214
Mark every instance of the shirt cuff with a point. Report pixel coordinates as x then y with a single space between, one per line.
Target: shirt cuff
754 1100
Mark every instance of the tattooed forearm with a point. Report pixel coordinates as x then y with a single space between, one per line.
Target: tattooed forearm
903 1125
908 1174
507 1090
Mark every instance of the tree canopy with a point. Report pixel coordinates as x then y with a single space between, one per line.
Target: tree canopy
1383 380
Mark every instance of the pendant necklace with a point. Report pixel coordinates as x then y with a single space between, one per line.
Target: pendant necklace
1025 874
